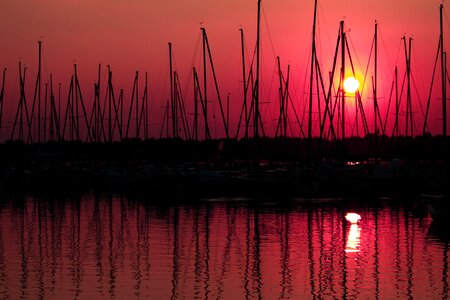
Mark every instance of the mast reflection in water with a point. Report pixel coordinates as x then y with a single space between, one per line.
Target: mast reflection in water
110 247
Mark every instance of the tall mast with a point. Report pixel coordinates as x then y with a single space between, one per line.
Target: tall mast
37 96
281 94
69 112
258 34
409 89
134 97
443 76
341 87
59 110
244 81
76 116
205 94
121 97
97 110
180 108
22 104
313 62
397 104
54 121
79 97
174 131
1 97
39 92
375 101
137 104
409 121
51 130
195 127
144 110
110 134
329 111
286 102
100 117
175 102
228 110
44 119
213 73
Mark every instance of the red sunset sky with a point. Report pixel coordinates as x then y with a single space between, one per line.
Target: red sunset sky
132 35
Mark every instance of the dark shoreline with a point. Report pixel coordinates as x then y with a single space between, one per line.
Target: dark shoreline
266 166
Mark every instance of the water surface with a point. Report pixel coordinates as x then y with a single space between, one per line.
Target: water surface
94 247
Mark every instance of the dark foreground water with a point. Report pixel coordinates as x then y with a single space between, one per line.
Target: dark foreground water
94 247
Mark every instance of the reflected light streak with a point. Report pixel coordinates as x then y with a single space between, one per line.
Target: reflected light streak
353 239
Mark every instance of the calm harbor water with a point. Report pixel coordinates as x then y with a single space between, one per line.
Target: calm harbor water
93 247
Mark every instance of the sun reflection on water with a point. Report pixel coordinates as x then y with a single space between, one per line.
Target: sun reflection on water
354 234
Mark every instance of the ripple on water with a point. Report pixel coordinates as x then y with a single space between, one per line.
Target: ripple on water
95 247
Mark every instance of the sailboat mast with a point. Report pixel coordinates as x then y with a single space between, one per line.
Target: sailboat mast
375 101
443 75
171 92
59 110
409 121
205 94
97 109
313 62
39 92
256 103
281 94
76 116
45 113
110 106
145 106
397 104
409 90
286 98
51 116
244 81
1 97
195 127
228 110
342 90
137 105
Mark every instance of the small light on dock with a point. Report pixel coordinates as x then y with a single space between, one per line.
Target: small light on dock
352 217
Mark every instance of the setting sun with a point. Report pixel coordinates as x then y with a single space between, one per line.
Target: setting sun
351 85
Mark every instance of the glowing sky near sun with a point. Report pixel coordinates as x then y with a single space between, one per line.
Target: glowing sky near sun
132 35
134 31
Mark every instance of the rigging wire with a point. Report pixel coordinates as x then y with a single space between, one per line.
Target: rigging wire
367 67
328 37
231 54
419 101
159 83
11 103
268 31
268 90
400 43
386 52
348 37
